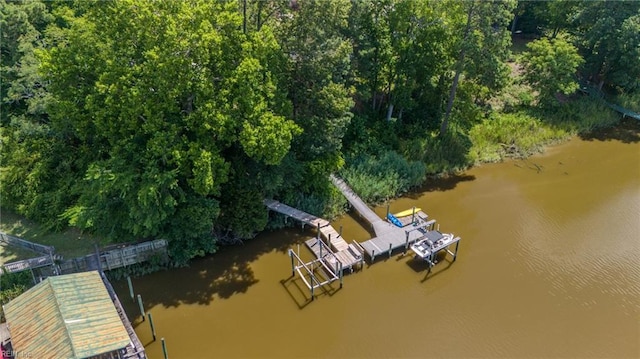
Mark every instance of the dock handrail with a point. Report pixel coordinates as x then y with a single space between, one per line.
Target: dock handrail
360 247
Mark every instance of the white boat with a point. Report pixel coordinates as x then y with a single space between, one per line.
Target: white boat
432 243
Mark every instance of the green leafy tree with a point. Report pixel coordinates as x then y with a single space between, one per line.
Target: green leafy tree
481 45
31 163
313 38
156 99
399 51
608 36
550 67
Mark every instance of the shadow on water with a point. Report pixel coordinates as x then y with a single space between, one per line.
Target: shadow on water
443 262
300 293
440 184
627 131
219 276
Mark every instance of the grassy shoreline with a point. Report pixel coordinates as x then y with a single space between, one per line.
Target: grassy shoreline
69 243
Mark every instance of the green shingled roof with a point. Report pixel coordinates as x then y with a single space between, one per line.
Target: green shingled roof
68 316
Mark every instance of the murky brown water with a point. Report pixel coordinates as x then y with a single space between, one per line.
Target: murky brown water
549 266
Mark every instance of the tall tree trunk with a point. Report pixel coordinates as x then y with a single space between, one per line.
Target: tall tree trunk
244 16
259 16
514 24
389 111
456 77
452 95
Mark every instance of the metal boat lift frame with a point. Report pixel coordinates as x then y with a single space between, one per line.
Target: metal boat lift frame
430 259
306 270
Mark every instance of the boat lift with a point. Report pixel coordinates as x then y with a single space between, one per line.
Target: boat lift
315 273
434 242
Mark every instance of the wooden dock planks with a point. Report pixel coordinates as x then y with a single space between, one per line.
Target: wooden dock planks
389 241
327 232
346 257
379 225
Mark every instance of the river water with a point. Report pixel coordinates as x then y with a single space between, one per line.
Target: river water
549 266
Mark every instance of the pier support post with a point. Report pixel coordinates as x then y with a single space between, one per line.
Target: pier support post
388 211
293 267
456 252
318 234
311 281
133 298
373 255
164 349
413 215
141 307
341 275
340 230
406 242
389 250
153 328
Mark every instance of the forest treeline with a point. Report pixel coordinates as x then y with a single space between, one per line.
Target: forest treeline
175 119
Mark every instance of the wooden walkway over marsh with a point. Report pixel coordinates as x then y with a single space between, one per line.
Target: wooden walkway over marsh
389 237
379 225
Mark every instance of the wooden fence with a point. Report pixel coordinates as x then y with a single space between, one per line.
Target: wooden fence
107 260
31 263
19 242
115 258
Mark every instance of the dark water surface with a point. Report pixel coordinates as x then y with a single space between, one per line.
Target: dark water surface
549 266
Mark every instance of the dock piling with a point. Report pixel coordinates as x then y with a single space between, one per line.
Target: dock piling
456 252
340 231
293 266
341 274
413 215
153 328
406 242
130 288
390 250
312 285
141 307
164 349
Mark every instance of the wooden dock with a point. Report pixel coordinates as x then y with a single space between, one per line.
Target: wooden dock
379 225
388 236
343 251
397 238
345 259
334 255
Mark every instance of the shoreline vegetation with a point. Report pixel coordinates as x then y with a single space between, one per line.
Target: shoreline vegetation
122 122
377 180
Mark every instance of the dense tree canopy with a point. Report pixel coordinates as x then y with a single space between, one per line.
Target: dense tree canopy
550 67
143 119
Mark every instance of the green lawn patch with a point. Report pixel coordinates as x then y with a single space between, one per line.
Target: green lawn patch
68 243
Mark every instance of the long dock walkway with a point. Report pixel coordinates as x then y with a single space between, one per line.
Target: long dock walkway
340 247
379 226
388 236
599 95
